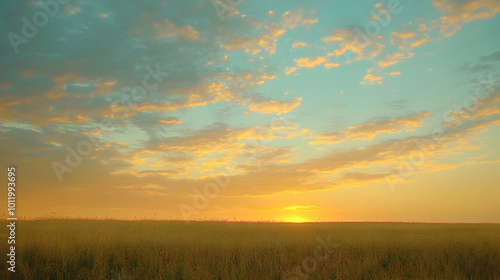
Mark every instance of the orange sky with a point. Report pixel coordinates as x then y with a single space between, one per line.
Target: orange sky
318 111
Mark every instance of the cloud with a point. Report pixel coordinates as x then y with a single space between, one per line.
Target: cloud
170 122
307 62
167 29
265 76
353 42
275 106
371 79
368 130
358 177
65 81
215 148
455 13
492 57
310 63
254 44
458 12
265 156
330 65
268 34
471 68
409 36
393 58
298 44
485 104
292 19
98 67
290 70
96 181
85 62
198 95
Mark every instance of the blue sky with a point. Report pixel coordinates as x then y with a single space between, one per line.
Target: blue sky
127 110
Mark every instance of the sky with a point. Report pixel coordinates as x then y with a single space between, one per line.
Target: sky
295 111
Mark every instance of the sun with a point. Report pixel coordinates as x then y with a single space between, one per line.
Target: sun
295 220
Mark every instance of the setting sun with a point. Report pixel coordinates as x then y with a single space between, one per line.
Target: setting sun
296 220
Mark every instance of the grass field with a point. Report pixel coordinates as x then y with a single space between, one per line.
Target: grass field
216 250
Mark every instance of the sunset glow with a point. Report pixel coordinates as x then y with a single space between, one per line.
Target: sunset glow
294 111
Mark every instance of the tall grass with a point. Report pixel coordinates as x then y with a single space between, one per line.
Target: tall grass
81 249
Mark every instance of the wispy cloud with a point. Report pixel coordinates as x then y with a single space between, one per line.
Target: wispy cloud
368 130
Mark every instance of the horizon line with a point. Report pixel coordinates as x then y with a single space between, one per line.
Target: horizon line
251 221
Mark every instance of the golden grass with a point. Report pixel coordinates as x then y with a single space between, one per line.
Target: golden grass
82 249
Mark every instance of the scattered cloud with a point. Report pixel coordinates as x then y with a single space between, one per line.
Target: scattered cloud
298 44
350 43
330 65
393 58
309 62
458 12
275 106
292 19
492 57
371 79
368 130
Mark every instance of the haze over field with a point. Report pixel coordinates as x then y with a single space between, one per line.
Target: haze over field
290 111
